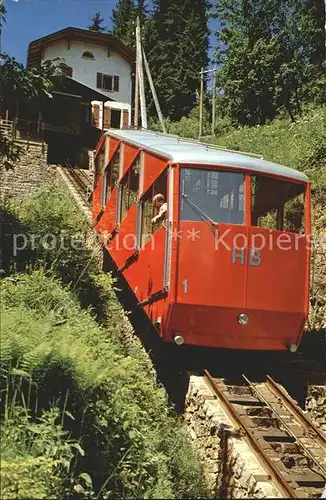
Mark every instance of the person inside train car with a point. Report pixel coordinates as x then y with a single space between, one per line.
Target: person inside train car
162 207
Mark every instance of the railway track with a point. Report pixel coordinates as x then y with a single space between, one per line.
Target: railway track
290 448
80 185
83 181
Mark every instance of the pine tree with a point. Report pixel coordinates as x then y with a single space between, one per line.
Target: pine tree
123 19
177 49
96 25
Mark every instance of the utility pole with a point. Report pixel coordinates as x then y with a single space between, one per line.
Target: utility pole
201 100
201 103
136 115
139 65
151 84
214 103
2 13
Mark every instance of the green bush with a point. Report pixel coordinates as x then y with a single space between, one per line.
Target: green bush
30 478
35 456
53 233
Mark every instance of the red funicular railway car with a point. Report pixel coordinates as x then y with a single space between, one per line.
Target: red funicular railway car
229 265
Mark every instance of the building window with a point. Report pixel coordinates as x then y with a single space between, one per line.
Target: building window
108 82
88 55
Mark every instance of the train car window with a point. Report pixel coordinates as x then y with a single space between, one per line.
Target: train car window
129 188
147 210
99 163
277 204
111 177
212 195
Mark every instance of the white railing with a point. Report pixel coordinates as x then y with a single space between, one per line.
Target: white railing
6 127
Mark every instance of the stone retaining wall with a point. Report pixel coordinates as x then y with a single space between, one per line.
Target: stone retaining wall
231 468
28 173
316 405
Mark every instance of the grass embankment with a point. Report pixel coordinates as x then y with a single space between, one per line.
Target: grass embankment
82 415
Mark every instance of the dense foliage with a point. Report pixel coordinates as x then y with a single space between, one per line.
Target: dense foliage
177 50
124 20
82 415
270 55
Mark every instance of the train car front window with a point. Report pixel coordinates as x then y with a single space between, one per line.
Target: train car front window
277 204
212 195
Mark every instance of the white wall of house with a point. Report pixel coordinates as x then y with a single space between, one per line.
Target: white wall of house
85 70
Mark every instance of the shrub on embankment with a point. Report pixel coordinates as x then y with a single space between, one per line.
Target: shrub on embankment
82 416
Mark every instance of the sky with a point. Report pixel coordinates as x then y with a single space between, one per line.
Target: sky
27 20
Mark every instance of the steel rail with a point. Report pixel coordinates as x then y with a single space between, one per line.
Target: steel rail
273 471
82 183
281 419
296 411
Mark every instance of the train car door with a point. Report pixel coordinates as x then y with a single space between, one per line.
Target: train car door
211 238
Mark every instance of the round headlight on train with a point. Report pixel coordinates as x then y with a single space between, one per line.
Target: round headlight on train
178 339
243 319
292 347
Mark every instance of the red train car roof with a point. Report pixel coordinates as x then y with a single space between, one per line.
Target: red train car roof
179 150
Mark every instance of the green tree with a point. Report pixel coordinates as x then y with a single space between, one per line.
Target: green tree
97 22
264 67
313 27
123 19
177 46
